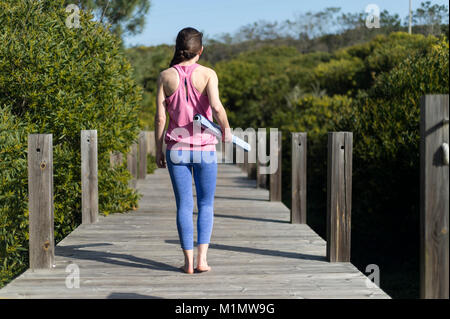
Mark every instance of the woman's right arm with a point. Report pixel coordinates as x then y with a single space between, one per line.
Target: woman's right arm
219 113
160 123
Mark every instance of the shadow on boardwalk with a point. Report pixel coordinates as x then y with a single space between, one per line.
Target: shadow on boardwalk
119 259
260 251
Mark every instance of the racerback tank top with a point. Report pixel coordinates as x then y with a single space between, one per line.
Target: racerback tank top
182 105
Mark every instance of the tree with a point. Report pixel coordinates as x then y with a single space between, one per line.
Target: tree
431 16
313 24
60 80
125 17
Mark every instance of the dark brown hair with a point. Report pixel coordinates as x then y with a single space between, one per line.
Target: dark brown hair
188 45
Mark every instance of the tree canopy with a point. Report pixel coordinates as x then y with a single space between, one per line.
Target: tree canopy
125 17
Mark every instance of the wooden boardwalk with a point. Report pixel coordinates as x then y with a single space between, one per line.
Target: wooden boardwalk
255 253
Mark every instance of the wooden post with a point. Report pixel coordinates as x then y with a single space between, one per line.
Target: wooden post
298 210
251 167
142 171
245 164
219 151
275 178
261 179
40 201
241 163
151 147
115 158
132 160
339 196
434 193
229 153
89 177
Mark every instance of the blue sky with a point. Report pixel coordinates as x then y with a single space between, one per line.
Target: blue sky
214 17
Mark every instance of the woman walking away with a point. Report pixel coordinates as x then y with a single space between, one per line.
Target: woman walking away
186 89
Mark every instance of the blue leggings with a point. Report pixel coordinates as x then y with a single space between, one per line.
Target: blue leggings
203 164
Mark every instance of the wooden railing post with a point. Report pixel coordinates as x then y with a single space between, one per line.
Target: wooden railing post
142 170
245 164
298 207
89 177
251 157
275 178
261 179
132 160
40 197
238 159
115 158
151 147
229 153
434 196
339 196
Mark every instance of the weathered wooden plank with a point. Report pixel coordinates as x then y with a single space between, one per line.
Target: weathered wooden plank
275 178
339 190
298 207
434 196
89 177
40 201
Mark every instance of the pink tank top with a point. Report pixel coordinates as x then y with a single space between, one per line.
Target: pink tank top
182 105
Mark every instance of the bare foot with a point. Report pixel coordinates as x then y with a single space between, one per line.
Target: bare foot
187 270
202 264
188 267
203 268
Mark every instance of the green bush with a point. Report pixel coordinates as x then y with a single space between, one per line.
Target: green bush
151 164
340 76
13 195
60 80
316 115
148 63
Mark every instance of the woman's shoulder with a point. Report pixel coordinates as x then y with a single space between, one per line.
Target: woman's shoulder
205 69
168 75
168 72
206 72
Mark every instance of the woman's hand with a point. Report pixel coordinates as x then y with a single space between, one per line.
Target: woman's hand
227 137
160 159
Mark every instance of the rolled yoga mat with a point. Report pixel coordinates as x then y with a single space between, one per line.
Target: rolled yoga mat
217 131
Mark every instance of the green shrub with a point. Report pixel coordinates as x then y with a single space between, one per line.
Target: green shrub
148 63
151 164
60 80
339 76
316 115
13 195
